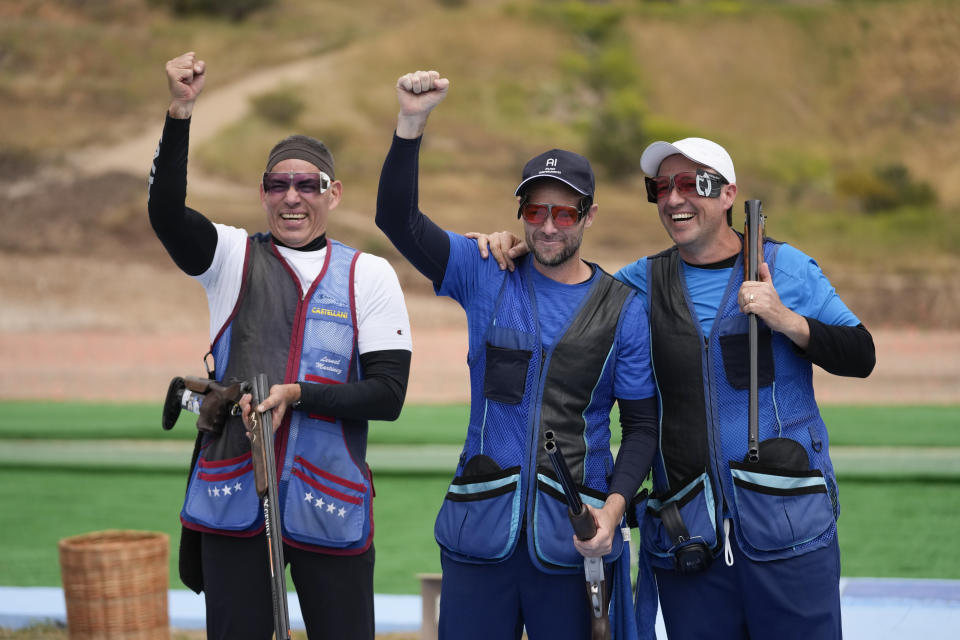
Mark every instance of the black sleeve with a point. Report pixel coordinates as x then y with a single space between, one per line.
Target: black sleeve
638 421
841 350
189 238
379 396
418 238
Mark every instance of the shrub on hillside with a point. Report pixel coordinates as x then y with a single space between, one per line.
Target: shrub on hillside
281 107
885 188
233 9
616 136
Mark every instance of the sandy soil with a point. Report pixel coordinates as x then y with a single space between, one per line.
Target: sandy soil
106 364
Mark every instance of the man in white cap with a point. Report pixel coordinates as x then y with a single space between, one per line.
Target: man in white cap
774 522
552 345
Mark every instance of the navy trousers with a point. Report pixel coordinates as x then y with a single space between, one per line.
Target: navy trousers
496 601
797 598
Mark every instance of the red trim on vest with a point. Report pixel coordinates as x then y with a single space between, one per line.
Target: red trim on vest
329 476
207 464
327 490
229 475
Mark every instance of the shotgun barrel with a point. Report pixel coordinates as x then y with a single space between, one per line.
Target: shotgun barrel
752 251
265 472
585 527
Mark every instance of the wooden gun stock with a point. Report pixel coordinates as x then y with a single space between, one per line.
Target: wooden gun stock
210 400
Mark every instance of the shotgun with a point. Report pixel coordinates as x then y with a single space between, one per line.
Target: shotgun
585 527
752 251
213 402
265 475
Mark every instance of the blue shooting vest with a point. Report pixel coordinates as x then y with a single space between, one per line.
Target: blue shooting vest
325 489
785 505
519 390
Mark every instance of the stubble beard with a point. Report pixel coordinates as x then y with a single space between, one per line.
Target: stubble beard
570 246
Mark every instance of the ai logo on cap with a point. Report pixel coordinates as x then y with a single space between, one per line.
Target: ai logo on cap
551 162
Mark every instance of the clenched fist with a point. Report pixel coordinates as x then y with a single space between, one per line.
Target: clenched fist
185 77
418 93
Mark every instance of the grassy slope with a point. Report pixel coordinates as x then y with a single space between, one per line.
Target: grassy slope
798 92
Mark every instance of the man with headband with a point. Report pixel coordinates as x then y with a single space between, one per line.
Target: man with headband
739 549
329 327
551 347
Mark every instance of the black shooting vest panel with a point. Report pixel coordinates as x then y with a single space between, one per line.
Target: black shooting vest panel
261 332
676 352
574 369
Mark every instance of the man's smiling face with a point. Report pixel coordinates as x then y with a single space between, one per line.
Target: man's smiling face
695 223
296 218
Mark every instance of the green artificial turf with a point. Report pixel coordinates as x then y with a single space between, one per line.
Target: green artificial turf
930 426
886 528
42 506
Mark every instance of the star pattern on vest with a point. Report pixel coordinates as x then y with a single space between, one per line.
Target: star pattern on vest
217 491
323 506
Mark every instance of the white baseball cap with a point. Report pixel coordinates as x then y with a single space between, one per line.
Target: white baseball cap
700 150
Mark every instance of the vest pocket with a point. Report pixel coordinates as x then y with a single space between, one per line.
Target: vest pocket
480 516
697 509
735 349
505 376
777 508
552 531
222 494
322 508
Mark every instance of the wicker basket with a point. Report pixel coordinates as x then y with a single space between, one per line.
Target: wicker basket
115 585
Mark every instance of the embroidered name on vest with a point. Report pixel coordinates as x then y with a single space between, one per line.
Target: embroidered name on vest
321 311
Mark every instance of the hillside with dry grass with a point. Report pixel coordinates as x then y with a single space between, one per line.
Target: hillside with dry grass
841 116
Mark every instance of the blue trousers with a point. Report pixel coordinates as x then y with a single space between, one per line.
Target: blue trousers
797 598
495 601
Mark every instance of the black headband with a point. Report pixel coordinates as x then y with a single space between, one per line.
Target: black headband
302 148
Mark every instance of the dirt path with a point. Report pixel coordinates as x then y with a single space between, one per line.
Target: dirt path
913 367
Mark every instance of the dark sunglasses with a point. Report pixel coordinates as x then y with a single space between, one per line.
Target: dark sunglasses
688 184
278 183
564 215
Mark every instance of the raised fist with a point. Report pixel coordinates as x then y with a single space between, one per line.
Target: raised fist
185 77
419 92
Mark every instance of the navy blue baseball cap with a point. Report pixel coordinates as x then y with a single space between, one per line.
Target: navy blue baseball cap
568 167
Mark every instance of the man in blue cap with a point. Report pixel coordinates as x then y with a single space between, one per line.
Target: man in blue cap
552 345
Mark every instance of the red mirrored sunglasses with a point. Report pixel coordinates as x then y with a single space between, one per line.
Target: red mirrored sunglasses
564 215
688 184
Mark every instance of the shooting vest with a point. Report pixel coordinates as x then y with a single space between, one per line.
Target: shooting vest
785 505
325 490
504 479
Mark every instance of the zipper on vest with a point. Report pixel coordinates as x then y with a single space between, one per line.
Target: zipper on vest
534 419
713 433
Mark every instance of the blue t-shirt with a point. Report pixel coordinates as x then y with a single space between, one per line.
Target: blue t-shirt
556 303
797 277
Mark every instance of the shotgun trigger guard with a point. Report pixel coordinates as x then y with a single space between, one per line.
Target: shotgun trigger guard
593 571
